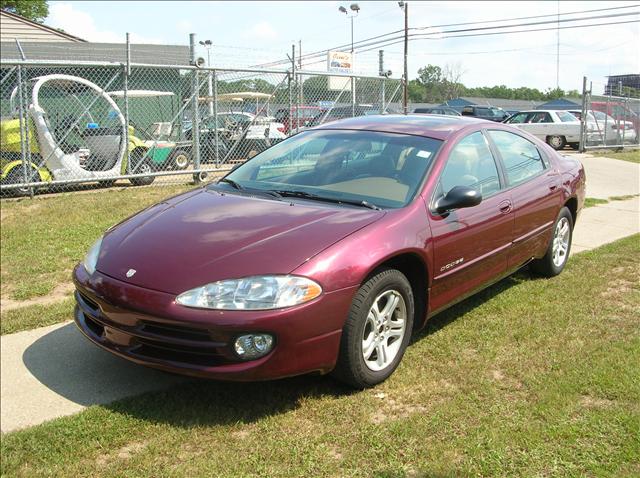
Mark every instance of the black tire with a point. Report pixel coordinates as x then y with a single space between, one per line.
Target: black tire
557 142
140 165
180 159
546 266
16 176
351 367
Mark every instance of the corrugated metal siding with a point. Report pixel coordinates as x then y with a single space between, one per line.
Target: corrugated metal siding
81 51
12 28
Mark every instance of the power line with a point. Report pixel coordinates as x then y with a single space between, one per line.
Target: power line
361 43
503 33
526 18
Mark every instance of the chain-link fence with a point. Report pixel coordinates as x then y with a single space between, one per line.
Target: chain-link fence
67 124
610 119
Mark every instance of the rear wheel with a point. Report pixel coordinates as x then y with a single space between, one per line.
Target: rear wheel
141 165
556 142
377 330
180 159
557 254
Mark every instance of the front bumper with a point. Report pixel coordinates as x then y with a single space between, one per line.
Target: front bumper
149 328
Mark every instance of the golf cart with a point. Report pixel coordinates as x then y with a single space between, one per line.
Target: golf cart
79 136
241 134
154 140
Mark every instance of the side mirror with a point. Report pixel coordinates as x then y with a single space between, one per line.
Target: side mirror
458 197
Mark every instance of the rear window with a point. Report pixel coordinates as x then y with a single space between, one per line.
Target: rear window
566 117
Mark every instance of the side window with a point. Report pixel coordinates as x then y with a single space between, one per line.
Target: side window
471 164
521 158
542 117
519 118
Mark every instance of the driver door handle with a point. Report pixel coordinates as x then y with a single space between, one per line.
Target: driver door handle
505 206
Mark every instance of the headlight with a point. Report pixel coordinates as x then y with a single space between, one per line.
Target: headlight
91 259
252 293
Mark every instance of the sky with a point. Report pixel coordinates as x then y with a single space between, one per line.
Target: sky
253 33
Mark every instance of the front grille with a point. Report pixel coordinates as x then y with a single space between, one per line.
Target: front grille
176 331
156 341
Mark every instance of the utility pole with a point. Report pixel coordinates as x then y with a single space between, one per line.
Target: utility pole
299 54
558 50
405 7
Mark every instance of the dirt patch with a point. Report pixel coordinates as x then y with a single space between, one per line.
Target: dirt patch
504 381
391 409
124 453
620 286
60 293
588 401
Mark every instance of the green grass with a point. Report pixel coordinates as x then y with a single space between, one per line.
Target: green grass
42 239
631 155
532 377
591 202
31 317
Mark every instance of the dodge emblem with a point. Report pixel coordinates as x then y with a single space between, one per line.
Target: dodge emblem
131 272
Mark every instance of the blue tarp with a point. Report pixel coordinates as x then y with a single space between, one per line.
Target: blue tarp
559 104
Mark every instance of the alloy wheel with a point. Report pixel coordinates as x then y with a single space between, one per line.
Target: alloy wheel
561 242
384 330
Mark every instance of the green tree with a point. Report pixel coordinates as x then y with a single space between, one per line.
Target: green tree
35 10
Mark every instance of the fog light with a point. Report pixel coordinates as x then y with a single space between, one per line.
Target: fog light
253 346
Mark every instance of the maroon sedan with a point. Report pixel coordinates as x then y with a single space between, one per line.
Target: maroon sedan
327 251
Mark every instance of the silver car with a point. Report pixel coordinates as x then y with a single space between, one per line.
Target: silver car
557 128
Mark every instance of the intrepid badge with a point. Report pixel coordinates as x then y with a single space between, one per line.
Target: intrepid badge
131 272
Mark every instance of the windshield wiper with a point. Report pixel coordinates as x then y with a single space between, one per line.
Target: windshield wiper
316 197
236 185
244 189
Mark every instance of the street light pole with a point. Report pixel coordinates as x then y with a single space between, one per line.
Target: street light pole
355 9
207 44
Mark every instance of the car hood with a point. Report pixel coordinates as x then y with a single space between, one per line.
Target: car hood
205 236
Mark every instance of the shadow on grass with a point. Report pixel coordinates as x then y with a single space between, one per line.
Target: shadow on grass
441 320
68 364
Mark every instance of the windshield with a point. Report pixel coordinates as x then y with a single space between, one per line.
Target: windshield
380 169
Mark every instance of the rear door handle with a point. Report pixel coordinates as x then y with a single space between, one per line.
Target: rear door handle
505 206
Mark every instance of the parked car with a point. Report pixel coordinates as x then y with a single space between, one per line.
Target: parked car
618 110
557 128
490 113
328 250
603 129
438 110
342 112
296 117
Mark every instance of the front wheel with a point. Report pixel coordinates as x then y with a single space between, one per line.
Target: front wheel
17 176
140 165
556 142
377 330
557 254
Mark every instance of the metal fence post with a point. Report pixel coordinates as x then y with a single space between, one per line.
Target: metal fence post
583 116
289 115
215 117
125 89
195 113
353 96
24 141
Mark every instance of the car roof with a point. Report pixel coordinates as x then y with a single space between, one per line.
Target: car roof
432 126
